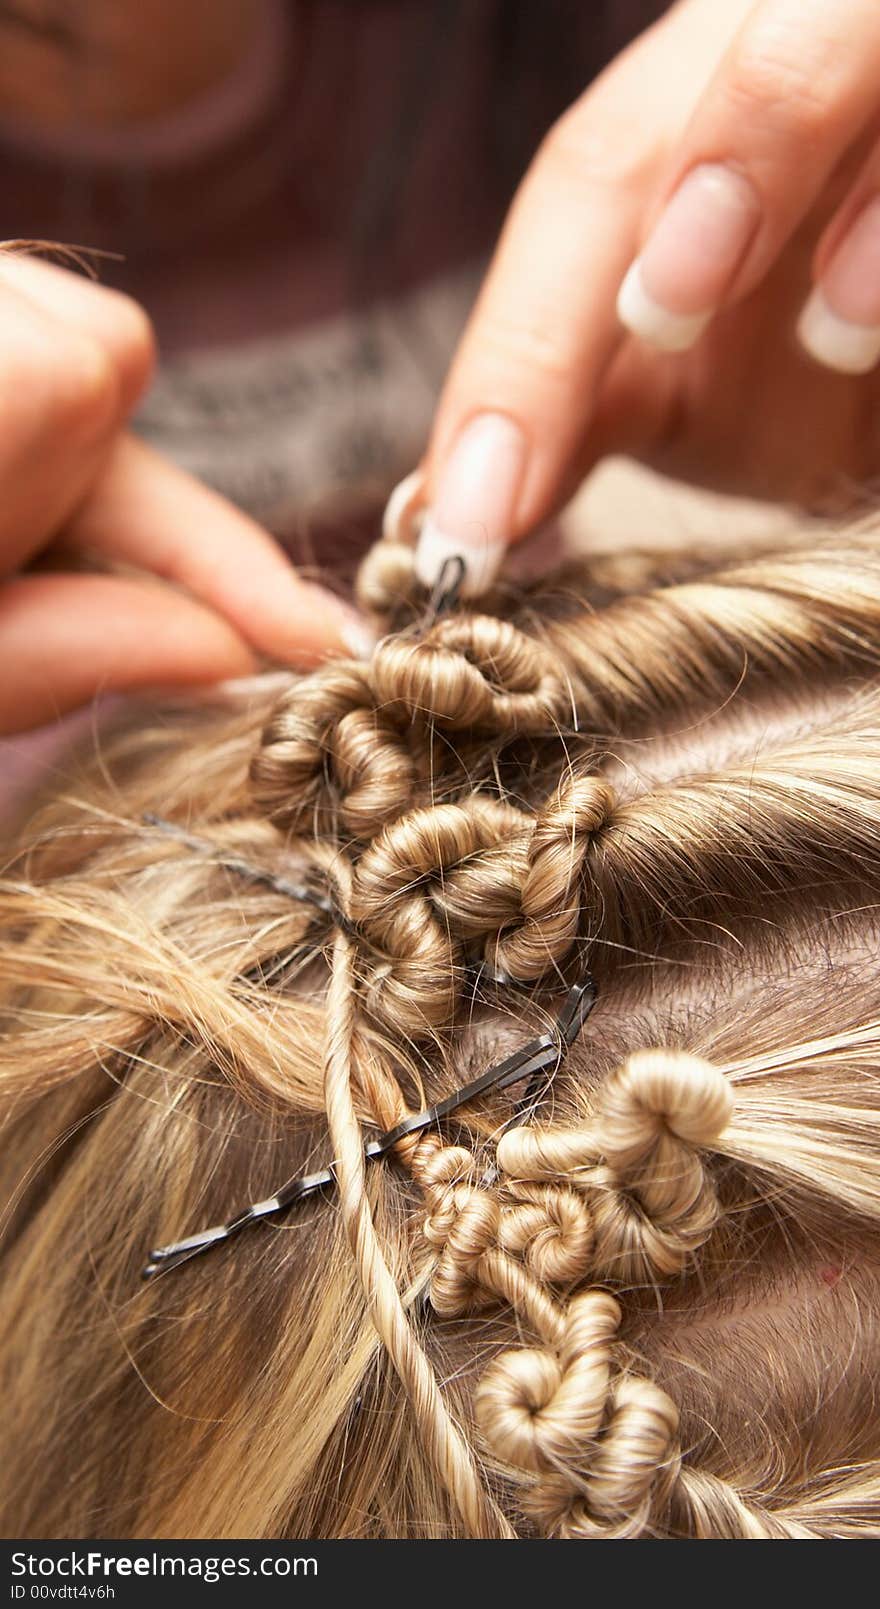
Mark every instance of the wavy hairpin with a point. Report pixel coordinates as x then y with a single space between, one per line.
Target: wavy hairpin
536 1062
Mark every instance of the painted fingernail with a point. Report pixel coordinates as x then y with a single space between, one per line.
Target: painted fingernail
682 274
473 512
840 322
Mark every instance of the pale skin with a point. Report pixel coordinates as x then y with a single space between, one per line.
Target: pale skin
783 95
779 96
205 592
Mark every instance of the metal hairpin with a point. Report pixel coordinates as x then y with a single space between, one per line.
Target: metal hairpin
536 1062
446 592
307 889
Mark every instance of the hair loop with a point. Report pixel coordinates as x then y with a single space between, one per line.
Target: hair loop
329 759
540 1408
553 894
472 671
386 579
462 1229
416 978
634 1461
652 1199
657 1093
552 1229
602 1444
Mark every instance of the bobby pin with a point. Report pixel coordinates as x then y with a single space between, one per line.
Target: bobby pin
446 592
307 890
537 1061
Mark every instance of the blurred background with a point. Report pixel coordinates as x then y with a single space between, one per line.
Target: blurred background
303 194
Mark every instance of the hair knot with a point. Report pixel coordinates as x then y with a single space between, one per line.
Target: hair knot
386 580
604 1449
540 1407
552 897
636 1162
632 1466
472 671
400 904
329 759
657 1092
551 1228
462 1226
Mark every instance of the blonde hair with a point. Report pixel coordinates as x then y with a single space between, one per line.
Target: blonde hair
650 1310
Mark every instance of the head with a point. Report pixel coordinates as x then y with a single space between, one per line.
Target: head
645 1300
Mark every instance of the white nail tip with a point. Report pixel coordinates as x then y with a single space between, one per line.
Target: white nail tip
401 510
358 639
481 563
651 321
837 342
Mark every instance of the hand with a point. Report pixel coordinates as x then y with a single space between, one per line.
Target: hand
689 195
204 589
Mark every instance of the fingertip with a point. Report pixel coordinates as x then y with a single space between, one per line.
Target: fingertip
71 637
473 515
110 317
147 512
837 343
650 321
358 637
301 624
482 560
840 322
402 508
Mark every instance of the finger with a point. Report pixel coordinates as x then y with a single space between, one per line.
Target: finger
59 406
793 92
523 382
112 319
64 638
840 323
145 511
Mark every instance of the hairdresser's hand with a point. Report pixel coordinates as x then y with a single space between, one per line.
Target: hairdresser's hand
204 589
724 162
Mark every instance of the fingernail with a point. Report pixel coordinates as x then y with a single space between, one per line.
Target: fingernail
402 508
474 509
357 637
682 274
840 322
261 683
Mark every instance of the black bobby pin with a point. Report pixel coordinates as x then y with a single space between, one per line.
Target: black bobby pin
307 889
537 1061
446 592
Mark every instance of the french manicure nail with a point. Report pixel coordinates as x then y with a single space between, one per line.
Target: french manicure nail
680 278
840 322
474 509
402 507
357 637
